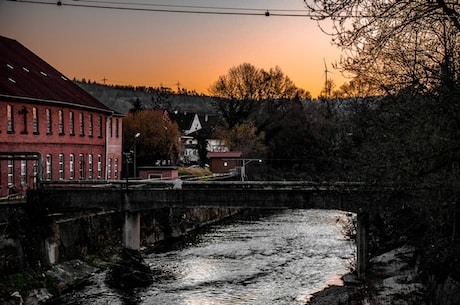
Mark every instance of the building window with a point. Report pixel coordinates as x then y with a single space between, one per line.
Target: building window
49 167
72 167
90 166
115 169
34 172
10 118
90 125
117 130
61 167
225 164
23 172
110 127
49 125
10 171
82 167
82 124
109 169
35 120
61 122
71 124
99 126
99 167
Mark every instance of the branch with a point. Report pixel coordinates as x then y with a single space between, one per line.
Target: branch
451 13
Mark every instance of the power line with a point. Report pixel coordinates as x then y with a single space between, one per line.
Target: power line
164 8
210 10
187 6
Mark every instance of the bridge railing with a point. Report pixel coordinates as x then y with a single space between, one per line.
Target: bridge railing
196 184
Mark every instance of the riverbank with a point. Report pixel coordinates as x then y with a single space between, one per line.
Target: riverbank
392 279
38 287
85 253
275 250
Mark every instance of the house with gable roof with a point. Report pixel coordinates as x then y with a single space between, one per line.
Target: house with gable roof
195 128
69 133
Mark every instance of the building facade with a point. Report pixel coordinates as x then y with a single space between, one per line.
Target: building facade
194 128
224 162
50 128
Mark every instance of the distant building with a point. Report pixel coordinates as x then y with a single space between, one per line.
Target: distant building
158 172
224 162
73 135
195 128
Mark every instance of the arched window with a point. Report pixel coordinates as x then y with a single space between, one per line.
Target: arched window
61 167
49 167
49 125
72 167
61 122
90 166
10 118
71 123
35 120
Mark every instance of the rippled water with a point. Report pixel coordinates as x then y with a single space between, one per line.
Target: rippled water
276 259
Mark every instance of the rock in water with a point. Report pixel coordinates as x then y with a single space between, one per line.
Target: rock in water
130 272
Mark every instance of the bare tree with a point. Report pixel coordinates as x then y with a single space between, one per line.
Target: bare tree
395 43
411 50
245 85
159 136
356 88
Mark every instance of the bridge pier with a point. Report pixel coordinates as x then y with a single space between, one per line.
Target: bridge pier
362 243
132 230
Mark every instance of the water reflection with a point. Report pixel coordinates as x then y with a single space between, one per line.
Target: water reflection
130 298
278 259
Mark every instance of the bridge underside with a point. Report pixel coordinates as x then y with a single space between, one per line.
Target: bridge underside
133 201
68 199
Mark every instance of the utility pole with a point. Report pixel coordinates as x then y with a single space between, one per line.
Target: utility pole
245 162
326 85
135 153
178 86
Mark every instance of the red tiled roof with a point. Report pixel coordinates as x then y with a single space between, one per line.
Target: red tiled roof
24 75
227 154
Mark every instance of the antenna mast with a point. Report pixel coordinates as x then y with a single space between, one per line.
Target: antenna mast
326 85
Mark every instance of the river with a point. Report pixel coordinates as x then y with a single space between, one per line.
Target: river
277 258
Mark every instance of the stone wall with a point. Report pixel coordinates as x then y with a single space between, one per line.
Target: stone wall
34 241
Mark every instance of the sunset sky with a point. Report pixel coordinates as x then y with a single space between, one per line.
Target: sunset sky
151 48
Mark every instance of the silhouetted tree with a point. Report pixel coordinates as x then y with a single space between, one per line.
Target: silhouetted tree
245 86
244 137
396 44
356 88
137 106
159 137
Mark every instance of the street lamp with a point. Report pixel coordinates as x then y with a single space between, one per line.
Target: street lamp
243 167
135 154
127 156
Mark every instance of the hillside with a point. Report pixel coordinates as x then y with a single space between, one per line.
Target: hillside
122 99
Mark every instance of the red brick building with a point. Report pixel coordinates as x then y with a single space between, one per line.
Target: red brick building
75 136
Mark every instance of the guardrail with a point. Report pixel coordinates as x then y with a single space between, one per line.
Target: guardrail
197 184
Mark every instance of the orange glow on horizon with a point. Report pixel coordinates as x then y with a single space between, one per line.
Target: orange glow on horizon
154 49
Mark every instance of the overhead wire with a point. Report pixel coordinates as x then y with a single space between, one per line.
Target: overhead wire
190 9
185 6
171 8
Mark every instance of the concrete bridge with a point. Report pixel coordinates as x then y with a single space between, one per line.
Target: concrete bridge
134 197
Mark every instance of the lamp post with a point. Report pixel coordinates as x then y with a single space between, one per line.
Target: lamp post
135 153
243 166
126 154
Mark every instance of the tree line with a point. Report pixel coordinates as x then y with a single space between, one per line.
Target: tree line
396 122
406 55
